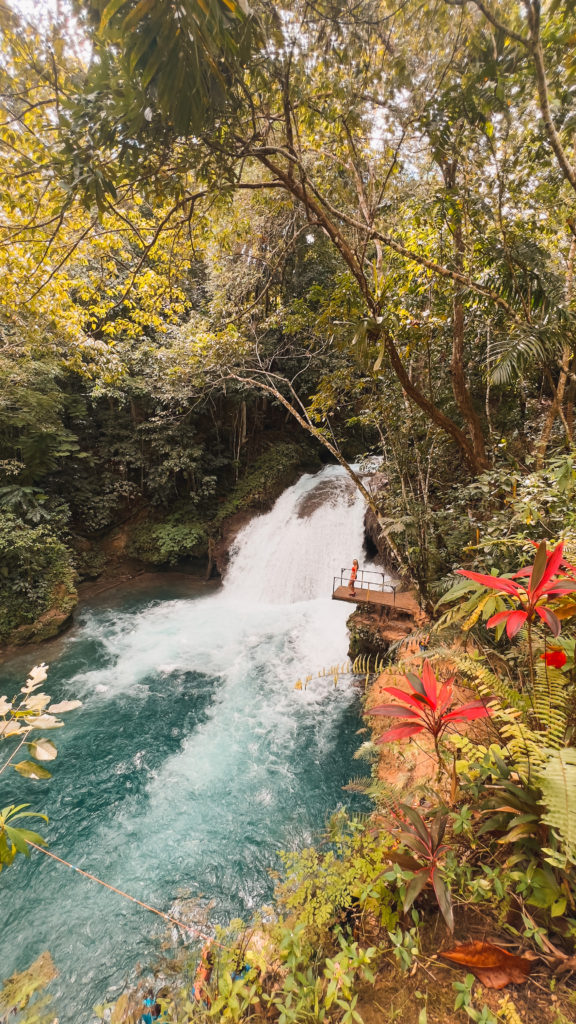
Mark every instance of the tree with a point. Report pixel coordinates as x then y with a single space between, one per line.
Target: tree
311 126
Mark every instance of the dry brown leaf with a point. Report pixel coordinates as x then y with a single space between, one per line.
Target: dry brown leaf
569 964
493 966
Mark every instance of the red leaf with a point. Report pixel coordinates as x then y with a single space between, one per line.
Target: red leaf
430 683
514 619
417 823
445 695
549 618
493 966
551 568
413 842
560 587
492 582
394 711
515 622
404 860
414 888
555 658
399 733
499 617
408 698
468 713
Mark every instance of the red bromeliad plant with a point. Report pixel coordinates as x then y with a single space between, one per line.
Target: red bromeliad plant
543 583
428 707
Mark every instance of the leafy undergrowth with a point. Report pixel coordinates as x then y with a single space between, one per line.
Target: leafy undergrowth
469 852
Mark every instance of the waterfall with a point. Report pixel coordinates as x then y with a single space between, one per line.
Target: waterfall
292 553
193 759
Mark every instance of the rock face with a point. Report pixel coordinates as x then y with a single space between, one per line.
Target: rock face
374 632
51 622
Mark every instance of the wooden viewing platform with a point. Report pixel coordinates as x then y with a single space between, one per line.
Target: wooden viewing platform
403 601
371 587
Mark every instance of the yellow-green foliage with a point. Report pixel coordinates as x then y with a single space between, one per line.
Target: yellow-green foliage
21 992
319 888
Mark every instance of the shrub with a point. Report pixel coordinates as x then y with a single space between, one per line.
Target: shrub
36 573
168 542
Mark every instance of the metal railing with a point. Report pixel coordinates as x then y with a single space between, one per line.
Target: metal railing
378 583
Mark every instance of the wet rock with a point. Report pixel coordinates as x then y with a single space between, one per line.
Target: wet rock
375 632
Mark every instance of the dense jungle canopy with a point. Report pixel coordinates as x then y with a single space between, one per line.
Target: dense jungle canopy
238 241
228 232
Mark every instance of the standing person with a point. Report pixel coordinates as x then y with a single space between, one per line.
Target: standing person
353 575
149 1001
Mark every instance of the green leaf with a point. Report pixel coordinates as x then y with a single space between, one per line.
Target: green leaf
152 67
558 782
109 11
558 908
20 837
140 11
416 683
19 989
415 887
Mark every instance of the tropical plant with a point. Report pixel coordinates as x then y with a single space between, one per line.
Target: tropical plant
20 995
544 584
411 831
327 889
184 63
429 707
36 574
557 781
342 972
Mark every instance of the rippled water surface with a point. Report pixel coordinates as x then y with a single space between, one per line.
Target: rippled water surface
193 759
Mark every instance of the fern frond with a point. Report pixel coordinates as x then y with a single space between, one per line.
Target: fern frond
480 678
558 784
550 705
359 784
366 752
530 724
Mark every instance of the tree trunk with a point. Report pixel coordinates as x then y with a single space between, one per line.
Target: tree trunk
460 388
561 390
317 212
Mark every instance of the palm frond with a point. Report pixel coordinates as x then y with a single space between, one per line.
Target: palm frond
511 354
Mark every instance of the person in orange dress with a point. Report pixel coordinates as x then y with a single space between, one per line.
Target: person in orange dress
353 575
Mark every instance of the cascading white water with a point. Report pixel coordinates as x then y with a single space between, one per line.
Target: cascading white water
193 759
292 553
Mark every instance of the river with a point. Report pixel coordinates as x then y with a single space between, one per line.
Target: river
193 759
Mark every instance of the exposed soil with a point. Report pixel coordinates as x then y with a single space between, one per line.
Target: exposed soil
401 995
